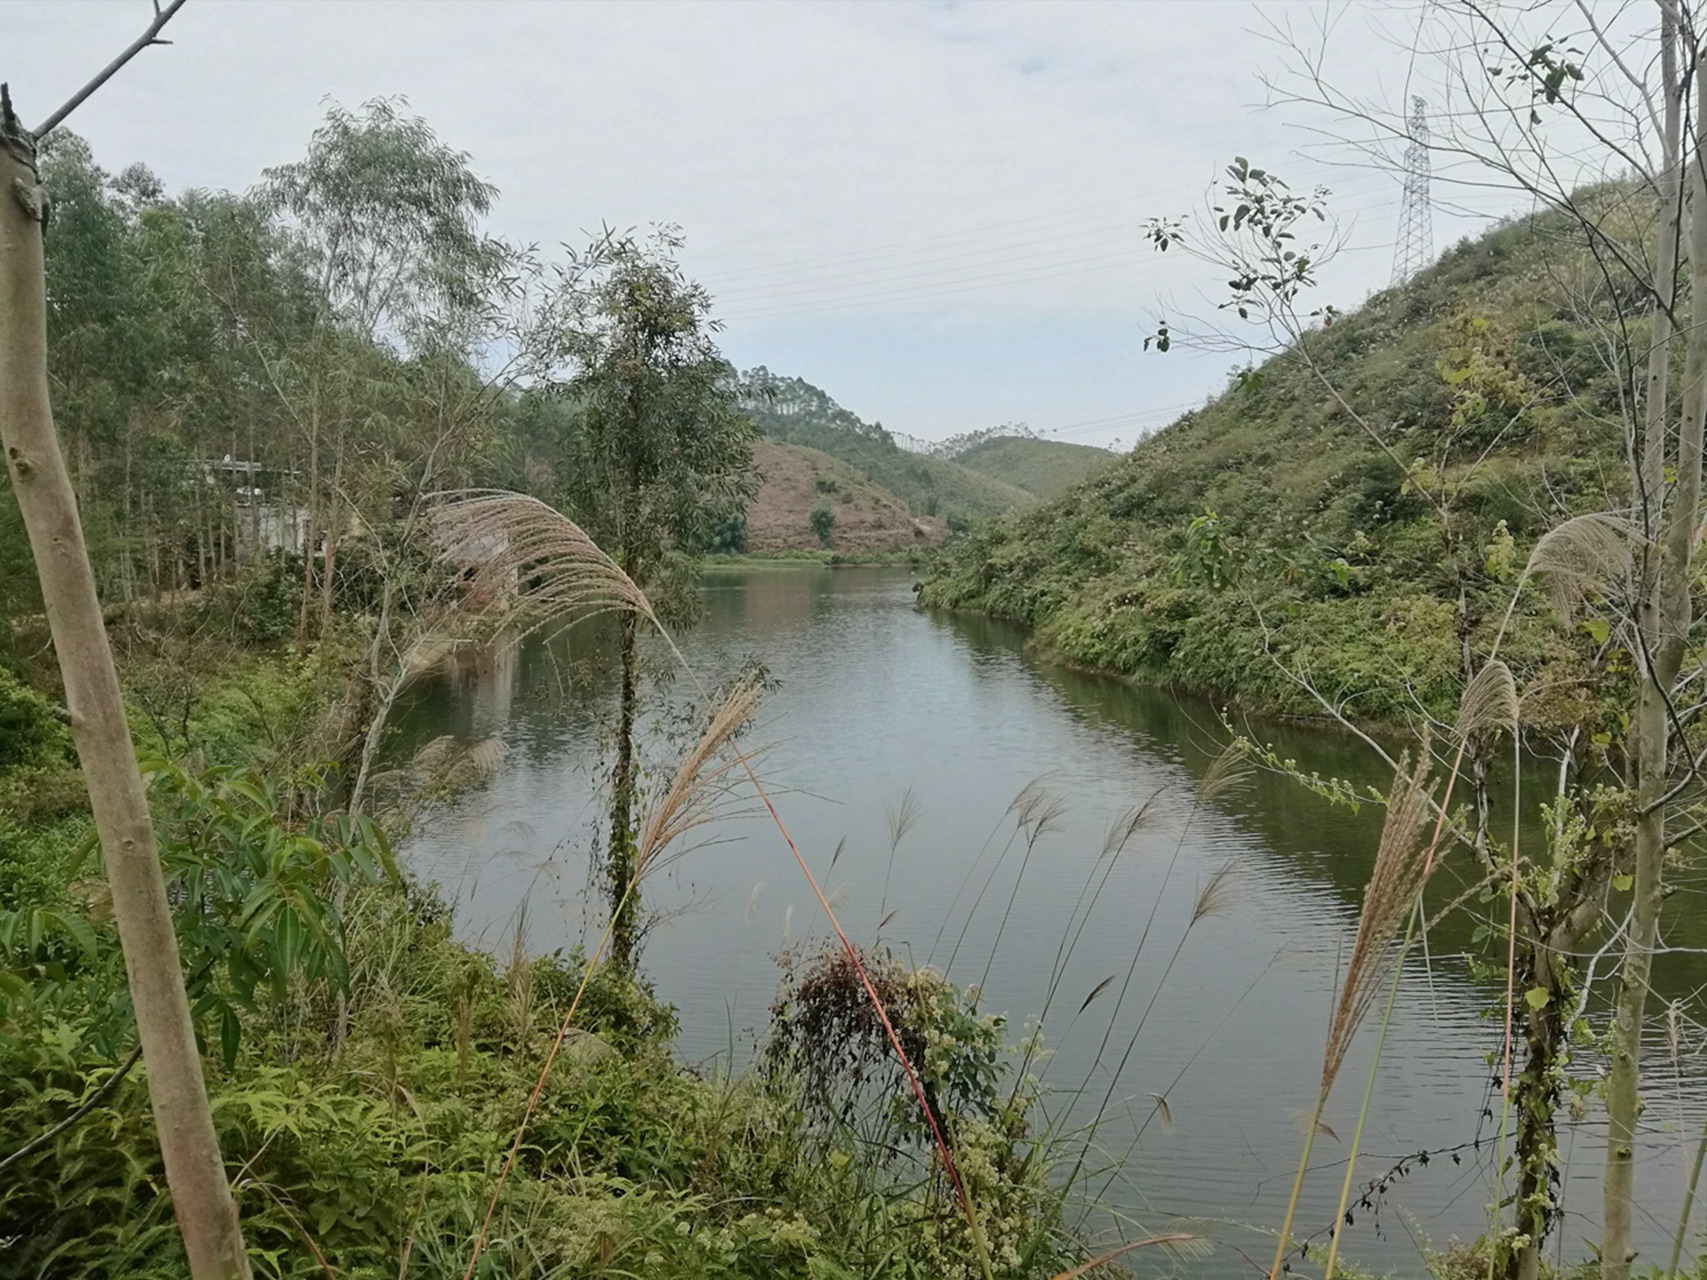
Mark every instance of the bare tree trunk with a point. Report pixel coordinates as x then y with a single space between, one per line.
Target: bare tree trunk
335 518
305 612
1664 617
201 1197
153 536
624 903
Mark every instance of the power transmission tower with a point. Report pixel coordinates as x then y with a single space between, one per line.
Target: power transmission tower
1414 248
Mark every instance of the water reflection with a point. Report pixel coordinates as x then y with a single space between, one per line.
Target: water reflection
875 698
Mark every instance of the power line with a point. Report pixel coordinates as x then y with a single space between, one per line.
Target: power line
928 244
913 286
831 270
937 205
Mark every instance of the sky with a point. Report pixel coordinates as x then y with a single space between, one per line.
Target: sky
933 211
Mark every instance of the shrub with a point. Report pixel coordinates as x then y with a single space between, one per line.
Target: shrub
30 733
729 536
823 522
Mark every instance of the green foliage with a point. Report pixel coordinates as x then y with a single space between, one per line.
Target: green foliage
729 535
829 1057
1044 468
377 1155
255 896
823 523
261 709
1327 555
656 450
259 605
30 733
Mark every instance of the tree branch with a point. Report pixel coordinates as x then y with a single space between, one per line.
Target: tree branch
148 37
94 1100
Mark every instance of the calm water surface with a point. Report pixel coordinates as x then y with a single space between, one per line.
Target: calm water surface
876 699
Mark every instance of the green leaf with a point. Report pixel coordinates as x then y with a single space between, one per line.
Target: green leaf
1536 998
289 936
1622 881
230 1033
76 928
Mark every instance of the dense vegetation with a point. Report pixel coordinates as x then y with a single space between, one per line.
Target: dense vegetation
258 394
375 1155
1047 468
1268 532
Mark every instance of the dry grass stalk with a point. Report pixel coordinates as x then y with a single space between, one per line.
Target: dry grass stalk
1036 809
1125 826
702 781
1096 991
1214 894
1401 866
1227 774
1164 1112
444 762
1586 555
531 562
1489 704
1178 1242
902 817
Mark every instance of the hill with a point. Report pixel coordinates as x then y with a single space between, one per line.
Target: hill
1047 468
795 481
1272 534
794 411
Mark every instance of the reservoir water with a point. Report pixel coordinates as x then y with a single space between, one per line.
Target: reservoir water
876 701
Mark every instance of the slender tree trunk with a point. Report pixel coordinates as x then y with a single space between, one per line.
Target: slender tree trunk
127 565
1664 618
195 1173
335 518
624 898
306 611
153 537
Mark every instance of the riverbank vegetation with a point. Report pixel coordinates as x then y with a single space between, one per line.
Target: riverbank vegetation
264 399
1467 513
374 1151
324 433
1270 525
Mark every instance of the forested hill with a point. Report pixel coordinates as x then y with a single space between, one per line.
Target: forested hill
1047 468
1269 534
796 412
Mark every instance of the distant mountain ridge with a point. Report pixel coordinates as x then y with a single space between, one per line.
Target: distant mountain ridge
1046 468
968 478
793 411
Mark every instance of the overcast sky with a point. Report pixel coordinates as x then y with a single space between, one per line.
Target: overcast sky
932 211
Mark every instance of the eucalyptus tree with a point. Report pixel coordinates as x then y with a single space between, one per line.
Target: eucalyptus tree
195 1172
382 222
656 451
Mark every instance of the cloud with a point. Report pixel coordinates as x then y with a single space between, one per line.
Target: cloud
934 211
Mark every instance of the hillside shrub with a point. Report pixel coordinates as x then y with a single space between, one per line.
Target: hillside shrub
823 523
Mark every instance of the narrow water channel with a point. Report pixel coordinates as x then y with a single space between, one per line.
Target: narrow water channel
1226 1016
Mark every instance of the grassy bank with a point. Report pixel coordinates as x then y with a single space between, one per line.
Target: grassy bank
369 1072
1283 543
